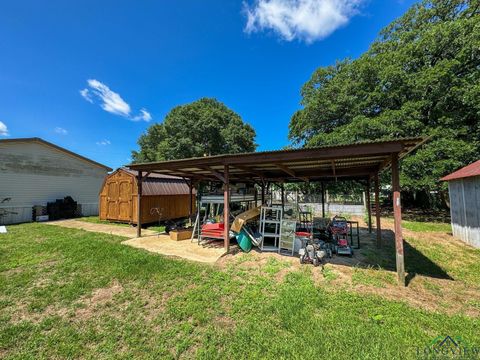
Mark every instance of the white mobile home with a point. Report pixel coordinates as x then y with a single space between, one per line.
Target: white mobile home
34 172
464 191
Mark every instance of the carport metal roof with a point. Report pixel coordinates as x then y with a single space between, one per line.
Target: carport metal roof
349 162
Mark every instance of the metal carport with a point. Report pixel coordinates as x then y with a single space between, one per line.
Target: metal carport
358 161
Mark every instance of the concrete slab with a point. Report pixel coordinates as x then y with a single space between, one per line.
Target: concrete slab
185 249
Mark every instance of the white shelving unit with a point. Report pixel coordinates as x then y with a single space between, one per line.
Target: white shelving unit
270 220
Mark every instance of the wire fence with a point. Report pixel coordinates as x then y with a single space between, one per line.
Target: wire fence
342 199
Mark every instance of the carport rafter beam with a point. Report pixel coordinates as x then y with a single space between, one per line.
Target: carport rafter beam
290 172
360 173
385 164
251 171
215 173
190 175
313 175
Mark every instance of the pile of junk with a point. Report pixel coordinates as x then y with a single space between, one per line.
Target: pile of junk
272 228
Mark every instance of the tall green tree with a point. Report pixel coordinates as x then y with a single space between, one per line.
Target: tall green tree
421 77
203 127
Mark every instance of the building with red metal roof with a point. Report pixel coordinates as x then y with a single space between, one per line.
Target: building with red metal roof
467 171
464 192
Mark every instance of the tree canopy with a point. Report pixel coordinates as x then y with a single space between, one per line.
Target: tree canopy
421 77
203 127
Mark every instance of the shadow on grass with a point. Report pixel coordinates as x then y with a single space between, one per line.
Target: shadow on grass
369 256
416 263
419 215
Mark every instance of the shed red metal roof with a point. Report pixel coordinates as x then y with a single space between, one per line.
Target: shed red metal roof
467 171
160 184
155 186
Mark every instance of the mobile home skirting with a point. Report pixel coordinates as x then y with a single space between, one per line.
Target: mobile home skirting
23 213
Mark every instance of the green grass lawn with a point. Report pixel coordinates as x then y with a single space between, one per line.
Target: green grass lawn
67 293
426 226
96 220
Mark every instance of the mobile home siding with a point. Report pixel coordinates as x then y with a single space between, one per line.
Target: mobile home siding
33 173
465 209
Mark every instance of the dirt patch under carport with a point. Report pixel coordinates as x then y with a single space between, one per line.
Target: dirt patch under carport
152 241
185 249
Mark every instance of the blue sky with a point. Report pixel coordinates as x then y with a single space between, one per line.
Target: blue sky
134 60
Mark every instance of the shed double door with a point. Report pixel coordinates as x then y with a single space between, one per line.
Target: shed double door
119 200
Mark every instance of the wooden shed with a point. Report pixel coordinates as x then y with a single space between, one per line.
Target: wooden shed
464 192
169 195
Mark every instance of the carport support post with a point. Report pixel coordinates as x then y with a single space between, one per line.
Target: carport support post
139 203
263 194
190 190
226 210
377 211
369 207
323 199
397 216
282 188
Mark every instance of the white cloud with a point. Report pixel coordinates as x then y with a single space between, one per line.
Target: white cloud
307 20
111 101
144 115
103 142
86 95
3 129
60 131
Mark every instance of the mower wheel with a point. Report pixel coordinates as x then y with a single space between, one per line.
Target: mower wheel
315 262
302 259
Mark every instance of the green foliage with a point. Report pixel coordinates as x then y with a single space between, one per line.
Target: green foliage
419 78
204 127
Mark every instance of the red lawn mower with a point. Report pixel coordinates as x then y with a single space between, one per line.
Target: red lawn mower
339 229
